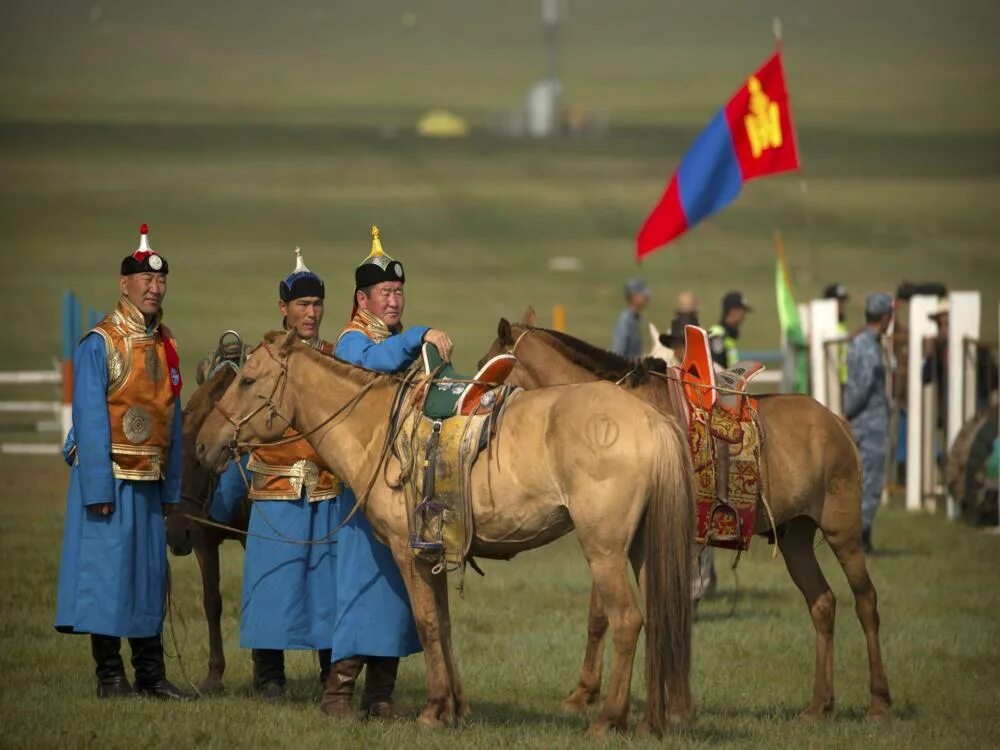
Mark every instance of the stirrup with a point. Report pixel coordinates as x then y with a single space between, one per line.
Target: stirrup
424 517
725 508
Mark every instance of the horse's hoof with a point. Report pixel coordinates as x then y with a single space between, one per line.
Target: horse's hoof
645 729
815 714
579 701
878 709
211 687
599 730
429 722
680 719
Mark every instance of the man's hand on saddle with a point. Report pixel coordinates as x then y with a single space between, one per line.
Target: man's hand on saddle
442 341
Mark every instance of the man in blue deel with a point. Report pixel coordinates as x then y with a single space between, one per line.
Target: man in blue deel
374 623
125 453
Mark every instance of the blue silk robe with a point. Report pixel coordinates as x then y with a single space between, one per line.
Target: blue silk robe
289 590
113 569
373 615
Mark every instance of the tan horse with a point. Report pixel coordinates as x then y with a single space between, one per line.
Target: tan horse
812 476
588 457
184 534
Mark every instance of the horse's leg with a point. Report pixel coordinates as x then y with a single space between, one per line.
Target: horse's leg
847 548
625 618
588 689
458 693
207 549
425 597
800 558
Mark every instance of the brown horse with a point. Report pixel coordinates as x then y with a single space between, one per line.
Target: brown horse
812 476
183 534
586 456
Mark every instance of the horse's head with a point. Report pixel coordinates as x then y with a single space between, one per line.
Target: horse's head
255 407
195 479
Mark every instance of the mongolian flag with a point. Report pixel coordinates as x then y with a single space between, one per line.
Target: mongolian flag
750 137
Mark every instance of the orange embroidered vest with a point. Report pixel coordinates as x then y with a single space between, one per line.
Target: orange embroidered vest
279 472
370 325
140 396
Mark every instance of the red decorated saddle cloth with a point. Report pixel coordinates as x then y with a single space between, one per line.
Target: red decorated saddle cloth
725 438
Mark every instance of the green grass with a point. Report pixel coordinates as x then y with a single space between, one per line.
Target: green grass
519 635
240 130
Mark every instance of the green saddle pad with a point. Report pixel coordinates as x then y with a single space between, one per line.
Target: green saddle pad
441 396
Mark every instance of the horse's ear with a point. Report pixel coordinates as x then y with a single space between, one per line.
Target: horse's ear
504 335
529 316
654 334
287 343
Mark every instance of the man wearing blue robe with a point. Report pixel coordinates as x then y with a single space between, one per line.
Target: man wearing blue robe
374 623
125 455
289 568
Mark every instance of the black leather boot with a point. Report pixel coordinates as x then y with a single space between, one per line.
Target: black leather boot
150 671
340 687
380 681
111 679
269 673
324 655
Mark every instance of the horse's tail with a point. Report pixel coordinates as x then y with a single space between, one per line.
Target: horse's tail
669 528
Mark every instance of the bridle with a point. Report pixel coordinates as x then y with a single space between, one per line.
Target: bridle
267 403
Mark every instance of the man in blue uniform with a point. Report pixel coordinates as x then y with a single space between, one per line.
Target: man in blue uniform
288 583
125 453
866 406
374 624
723 335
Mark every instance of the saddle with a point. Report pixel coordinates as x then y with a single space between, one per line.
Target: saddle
438 448
450 394
724 435
231 351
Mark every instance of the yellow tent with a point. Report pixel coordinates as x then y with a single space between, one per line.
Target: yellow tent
439 123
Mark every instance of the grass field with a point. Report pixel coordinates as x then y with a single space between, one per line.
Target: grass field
519 636
239 130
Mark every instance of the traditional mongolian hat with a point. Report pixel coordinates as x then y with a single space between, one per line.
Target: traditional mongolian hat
144 259
301 282
378 266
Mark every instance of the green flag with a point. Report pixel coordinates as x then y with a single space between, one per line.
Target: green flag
788 317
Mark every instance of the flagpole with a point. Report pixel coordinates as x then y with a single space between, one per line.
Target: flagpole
777 28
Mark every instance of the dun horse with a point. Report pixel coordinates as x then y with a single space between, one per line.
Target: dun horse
183 534
812 476
589 457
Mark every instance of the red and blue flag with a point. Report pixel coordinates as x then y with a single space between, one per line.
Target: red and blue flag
750 137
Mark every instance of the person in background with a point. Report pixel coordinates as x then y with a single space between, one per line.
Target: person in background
723 335
674 339
866 406
687 303
627 337
839 293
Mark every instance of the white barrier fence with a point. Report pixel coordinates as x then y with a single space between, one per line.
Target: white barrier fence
60 414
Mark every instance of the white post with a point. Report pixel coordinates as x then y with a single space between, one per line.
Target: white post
963 323
920 327
822 326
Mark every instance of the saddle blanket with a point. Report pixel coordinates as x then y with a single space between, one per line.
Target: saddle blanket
727 523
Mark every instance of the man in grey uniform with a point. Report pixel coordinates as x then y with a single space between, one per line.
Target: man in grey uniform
627 338
866 405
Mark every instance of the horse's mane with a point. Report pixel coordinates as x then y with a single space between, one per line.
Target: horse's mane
357 374
601 362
